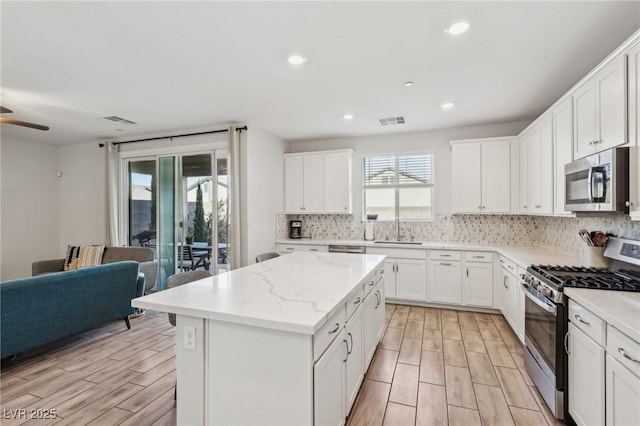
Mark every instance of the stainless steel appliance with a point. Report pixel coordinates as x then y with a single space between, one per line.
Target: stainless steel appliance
335 248
295 229
546 319
598 183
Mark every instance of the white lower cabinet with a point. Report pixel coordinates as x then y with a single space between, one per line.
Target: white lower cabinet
445 281
477 279
586 378
604 371
461 278
623 394
511 296
405 273
354 360
356 331
373 321
329 384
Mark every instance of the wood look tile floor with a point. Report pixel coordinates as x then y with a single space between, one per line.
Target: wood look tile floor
445 367
433 367
107 376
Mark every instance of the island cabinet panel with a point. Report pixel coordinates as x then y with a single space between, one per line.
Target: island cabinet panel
329 384
354 364
258 368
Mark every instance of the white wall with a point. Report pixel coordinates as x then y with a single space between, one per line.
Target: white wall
262 191
436 141
83 195
30 205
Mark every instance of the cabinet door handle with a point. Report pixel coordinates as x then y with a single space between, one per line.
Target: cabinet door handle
377 299
358 300
537 206
576 316
445 255
350 338
630 358
445 264
566 343
372 283
504 282
347 354
335 329
467 272
482 257
313 249
397 268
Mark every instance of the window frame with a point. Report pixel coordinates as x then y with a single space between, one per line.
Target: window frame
396 186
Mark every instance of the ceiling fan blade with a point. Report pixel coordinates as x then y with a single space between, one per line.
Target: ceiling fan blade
4 110
23 123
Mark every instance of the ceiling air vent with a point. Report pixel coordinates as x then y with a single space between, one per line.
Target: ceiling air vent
114 119
391 121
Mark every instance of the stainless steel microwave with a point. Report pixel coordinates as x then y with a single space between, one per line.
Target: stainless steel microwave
598 183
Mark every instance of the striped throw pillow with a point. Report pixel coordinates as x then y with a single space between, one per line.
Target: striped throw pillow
90 256
71 258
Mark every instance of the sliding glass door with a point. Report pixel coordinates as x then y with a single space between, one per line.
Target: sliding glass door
178 205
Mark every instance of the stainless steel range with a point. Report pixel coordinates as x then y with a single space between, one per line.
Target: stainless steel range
546 313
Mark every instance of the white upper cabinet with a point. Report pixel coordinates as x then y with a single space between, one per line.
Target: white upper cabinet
337 183
304 185
600 110
318 182
563 152
536 168
523 175
481 176
634 130
540 171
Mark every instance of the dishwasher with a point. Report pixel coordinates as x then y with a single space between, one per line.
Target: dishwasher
347 249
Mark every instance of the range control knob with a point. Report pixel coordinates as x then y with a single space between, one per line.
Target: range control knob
547 292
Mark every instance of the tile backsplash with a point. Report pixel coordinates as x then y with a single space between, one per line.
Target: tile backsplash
556 233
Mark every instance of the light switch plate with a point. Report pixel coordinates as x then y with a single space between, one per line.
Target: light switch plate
190 338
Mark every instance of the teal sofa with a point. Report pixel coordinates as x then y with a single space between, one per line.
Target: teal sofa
41 309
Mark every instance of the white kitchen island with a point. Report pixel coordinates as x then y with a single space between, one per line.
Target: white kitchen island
285 341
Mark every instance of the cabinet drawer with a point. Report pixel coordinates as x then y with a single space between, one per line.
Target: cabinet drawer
288 248
445 255
355 298
624 349
478 256
508 264
370 282
588 322
323 338
398 253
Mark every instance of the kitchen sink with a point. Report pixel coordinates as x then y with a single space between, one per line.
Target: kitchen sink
413 243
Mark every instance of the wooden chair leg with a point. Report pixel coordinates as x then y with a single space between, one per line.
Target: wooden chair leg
126 320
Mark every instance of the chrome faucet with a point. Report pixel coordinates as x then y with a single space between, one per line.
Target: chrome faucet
399 235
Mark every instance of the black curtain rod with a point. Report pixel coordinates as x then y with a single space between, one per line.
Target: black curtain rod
179 136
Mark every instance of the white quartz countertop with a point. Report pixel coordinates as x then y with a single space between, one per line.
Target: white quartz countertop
522 255
298 292
621 309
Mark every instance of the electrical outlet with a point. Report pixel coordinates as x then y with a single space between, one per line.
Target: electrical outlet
190 338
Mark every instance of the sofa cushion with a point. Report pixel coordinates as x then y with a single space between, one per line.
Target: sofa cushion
118 254
90 256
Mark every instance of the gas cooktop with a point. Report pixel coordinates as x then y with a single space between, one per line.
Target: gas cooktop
586 277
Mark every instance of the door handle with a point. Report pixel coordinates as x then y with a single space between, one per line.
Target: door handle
347 354
566 343
630 358
350 338
577 317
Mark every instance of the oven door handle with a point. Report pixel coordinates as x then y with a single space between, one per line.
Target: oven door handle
590 184
549 307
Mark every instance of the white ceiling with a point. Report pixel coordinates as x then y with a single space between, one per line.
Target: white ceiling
184 65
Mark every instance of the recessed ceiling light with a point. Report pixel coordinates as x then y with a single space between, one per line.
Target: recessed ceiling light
348 116
458 28
447 105
408 84
297 59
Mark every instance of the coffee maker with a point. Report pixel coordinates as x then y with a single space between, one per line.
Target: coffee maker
295 229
